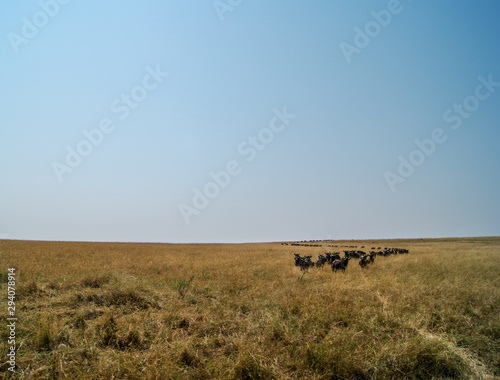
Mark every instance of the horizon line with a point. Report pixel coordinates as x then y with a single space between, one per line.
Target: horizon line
254 242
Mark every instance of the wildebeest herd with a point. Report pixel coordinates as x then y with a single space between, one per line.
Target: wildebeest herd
340 263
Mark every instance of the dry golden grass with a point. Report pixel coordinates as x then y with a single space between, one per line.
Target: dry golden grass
163 311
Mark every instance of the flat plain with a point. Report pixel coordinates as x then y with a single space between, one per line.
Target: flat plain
245 311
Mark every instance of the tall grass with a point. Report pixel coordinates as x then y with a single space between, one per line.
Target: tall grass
161 311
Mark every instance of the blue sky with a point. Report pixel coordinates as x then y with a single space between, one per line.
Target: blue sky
231 70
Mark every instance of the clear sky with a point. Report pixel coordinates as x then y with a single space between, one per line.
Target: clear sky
115 116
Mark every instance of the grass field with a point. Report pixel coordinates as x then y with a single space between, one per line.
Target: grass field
244 311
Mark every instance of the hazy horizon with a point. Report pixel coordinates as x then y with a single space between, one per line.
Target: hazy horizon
237 121
256 242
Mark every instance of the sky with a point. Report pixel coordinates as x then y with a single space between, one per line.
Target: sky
245 121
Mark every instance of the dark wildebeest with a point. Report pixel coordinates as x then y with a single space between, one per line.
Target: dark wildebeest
340 264
320 262
331 257
363 261
351 254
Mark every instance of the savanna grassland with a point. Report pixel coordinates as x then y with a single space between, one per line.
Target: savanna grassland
244 311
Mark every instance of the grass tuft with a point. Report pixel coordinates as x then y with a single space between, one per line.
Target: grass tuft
250 369
4 277
95 281
132 340
186 358
108 330
45 334
27 290
182 286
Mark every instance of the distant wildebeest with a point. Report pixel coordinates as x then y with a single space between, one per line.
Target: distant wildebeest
352 254
338 263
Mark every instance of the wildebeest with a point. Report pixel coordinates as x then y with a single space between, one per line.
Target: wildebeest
303 262
331 257
363 261
366 259
321 261
340 264
354 254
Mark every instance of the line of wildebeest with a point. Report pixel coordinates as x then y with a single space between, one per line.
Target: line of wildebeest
340 263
